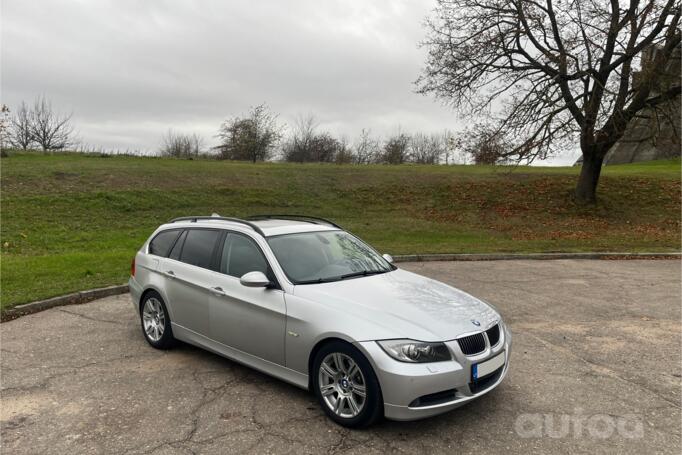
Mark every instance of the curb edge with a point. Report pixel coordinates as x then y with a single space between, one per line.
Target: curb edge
75 298
530 256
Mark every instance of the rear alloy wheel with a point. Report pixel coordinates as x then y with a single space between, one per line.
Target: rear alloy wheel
156 322
346 386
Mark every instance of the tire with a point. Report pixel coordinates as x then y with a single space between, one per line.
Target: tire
338 386
155 321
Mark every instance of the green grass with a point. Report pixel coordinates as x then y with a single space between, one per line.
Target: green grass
71 222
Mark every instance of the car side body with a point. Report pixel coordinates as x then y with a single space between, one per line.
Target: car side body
278 328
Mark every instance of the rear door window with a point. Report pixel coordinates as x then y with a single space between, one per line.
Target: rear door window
162 243
199 247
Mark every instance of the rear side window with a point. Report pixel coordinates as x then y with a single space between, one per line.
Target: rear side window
199 247
175 252
162 243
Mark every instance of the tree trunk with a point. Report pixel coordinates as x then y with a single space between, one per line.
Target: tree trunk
586 190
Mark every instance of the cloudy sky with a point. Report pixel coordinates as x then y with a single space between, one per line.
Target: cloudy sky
130 70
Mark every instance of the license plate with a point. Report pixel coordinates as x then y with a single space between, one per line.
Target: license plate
479 370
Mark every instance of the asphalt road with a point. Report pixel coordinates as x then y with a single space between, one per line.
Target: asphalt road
596 369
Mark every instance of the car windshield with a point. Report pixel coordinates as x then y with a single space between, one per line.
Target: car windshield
320 257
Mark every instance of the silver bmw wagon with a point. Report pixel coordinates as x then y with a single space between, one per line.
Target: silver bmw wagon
301 299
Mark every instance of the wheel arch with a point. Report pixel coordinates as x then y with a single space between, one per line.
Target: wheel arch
144 295
313 352
379 411
323 342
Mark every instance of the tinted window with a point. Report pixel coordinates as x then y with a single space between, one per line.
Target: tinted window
241 255
163 242
199 246
177 248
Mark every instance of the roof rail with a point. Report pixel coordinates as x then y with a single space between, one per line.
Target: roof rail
309 219
194 219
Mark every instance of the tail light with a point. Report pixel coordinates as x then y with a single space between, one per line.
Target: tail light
132 267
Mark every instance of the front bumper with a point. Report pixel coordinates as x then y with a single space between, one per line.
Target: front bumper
447 385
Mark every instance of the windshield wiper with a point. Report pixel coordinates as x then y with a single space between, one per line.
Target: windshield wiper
319 280
342 277
363 273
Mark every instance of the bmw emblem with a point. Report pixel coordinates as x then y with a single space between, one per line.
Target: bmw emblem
475 322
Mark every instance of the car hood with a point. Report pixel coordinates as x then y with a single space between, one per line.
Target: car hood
403 304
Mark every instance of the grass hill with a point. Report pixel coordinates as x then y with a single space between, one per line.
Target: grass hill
72 222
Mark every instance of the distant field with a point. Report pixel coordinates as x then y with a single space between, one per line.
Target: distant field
72 222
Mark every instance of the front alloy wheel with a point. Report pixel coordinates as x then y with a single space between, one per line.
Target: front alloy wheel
342 385
346 385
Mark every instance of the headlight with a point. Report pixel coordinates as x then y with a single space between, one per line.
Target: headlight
415 351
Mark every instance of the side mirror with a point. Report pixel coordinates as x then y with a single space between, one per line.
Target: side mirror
388 258
254 280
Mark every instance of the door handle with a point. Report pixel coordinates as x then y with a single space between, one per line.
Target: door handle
170 274
218 290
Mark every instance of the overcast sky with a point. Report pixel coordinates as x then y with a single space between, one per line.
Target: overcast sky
129 70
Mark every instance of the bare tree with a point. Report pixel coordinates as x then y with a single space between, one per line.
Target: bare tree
484 143
426 149
550 72
5 124
49 129
299 147
252 138
366 148
179 145
20 133
395 149
324 148
344 155
451 150
307 145
236 137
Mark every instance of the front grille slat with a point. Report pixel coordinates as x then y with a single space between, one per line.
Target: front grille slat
472 344
493 334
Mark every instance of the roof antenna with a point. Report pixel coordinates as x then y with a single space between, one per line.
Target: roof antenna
215 215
